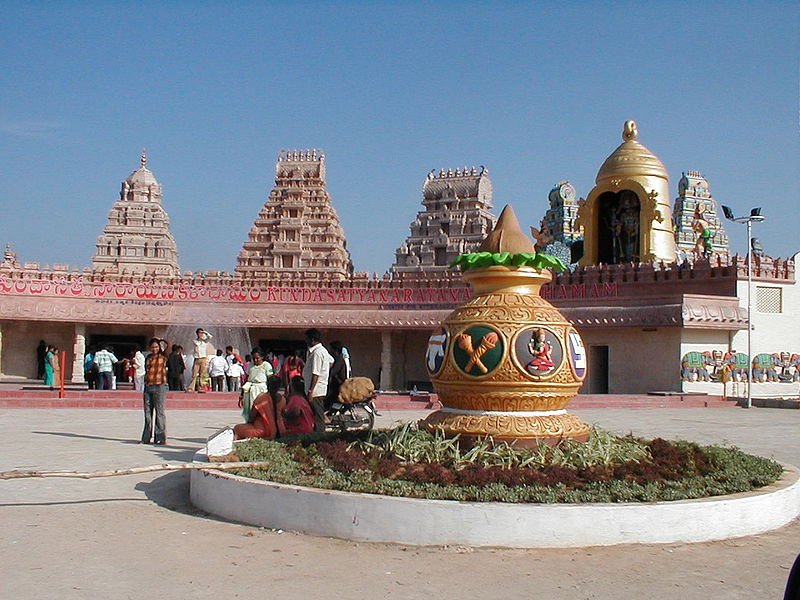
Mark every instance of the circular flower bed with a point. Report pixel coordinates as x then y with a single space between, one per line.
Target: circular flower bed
417 464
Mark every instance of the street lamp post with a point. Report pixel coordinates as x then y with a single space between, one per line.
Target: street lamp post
755 216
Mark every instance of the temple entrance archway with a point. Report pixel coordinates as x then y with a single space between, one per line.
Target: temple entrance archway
618 232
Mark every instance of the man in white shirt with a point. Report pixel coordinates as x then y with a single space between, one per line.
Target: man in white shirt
315 376
201 351
138 373
217 369
105 361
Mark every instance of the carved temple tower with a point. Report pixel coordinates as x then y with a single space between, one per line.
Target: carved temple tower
557 232
297 234
456 219
695 208
626 218
137 239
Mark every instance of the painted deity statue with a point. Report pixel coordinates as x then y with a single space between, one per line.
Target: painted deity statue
542 353
701 227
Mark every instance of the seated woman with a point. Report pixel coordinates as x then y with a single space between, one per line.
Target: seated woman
261 420
256 383
295 416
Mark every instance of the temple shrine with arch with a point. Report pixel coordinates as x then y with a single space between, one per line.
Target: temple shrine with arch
652 287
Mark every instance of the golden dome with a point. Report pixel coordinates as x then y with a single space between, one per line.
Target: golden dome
631 159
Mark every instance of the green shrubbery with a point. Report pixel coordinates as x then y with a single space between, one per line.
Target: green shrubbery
418 464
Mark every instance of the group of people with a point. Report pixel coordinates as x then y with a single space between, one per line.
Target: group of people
310 385
99 368
310 388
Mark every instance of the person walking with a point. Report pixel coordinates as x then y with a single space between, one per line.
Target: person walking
338 374
90 368
315 375
105 361
155 392
235 374
175 368
201 351
138 370
217 369
348 365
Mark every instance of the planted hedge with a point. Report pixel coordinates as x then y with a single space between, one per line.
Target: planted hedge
417 464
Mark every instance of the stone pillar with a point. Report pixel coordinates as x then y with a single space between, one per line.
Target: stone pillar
78 352
1 348
386 360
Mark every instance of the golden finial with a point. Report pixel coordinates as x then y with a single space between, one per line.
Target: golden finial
629 131
143 159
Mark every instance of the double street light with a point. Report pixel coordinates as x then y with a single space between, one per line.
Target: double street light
755 216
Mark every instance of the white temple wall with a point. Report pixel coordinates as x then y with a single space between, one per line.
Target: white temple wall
704 340
639 361
772 331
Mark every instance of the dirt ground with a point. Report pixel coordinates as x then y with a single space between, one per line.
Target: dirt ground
138 537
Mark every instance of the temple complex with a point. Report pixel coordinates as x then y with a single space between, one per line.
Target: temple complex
659 303
455 219
297 235
137 240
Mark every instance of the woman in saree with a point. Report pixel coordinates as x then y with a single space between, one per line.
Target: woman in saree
48 366
56 361
256 383
261 421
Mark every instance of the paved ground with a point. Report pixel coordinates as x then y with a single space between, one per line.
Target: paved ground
137 537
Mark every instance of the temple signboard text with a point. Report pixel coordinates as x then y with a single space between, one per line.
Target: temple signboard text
580 290
184 292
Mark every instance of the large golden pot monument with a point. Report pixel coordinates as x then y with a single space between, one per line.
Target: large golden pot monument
507 363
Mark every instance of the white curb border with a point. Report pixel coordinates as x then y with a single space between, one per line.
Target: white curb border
411 521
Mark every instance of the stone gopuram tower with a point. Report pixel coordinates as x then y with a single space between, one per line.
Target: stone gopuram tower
626 218
695 203
297 235
137 239
456 219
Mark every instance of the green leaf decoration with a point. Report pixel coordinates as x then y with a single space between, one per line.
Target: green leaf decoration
480 260
546 261
523 259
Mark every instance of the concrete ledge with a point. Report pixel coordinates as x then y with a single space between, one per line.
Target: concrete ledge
771 402
367 517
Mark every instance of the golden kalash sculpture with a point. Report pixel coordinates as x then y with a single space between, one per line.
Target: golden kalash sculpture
506 363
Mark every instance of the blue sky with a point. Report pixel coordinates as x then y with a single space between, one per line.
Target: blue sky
537 92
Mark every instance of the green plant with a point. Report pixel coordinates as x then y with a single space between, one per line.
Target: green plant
605 469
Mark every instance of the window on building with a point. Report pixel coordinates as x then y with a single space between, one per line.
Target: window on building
769 299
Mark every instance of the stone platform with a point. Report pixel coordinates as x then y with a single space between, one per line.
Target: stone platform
417 522
131 399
